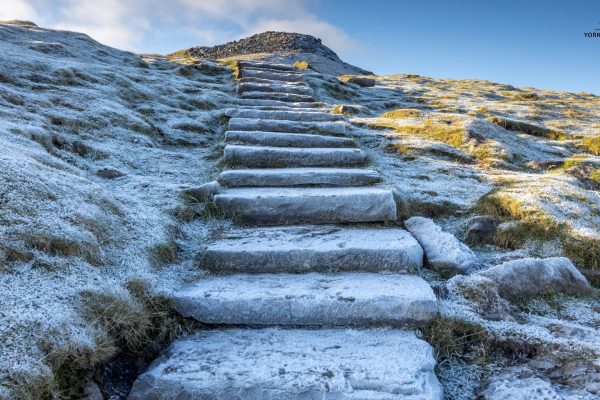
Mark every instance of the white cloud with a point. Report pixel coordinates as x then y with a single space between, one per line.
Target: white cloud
132 24
17 9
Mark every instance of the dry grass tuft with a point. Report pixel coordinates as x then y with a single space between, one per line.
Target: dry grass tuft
524 127
592 144
302 65
402 113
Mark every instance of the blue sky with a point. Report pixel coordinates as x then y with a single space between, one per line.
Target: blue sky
523 43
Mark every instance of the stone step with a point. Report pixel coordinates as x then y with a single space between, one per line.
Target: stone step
325 248
263 81
289 115
274 88
348 299
270 75
279 103
284 206
283 139
275 157
280 96
242 64
298 177
294 364
278 125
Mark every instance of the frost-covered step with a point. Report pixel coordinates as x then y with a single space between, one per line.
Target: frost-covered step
283 139
242 64
293 364
277 125
275 88
270 75
279 96
289 115
279 103
268 156
358 299
284 206
324 248
298 177
252 79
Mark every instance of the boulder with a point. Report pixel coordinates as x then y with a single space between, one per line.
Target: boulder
361 81
528 277
108 173
482 229
479 293
203 192
443 251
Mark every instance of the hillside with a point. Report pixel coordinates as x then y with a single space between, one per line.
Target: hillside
100 224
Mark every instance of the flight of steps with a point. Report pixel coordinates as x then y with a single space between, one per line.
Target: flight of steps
315 295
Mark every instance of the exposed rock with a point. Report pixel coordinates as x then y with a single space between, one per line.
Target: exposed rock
528 277
361 81
545 164
443 251
108 173
480 293
482 229
203 192
340 364
346 109
92 392
520 389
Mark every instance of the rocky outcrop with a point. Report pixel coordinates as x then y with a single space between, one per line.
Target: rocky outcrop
528 277
443 250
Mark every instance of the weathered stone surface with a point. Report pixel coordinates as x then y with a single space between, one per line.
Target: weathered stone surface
263 156
528 277
203 192
309 299
275 125
284 139
482 229
309 116
442 250
280 96
278 103
314 249
265 65
109 173
329 364
275 87
299 177
479 293
270 75
361 81
273 206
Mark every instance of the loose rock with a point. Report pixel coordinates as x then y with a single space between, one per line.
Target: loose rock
482 229
443 251
108 173
528 277
203 192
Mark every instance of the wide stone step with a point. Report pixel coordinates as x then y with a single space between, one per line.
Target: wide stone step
280 96
289 115
253 80
284 206
283 139
242 64
298 177
294 364
277 125
358 299
274 88
270 75
279 103
267 156
324 248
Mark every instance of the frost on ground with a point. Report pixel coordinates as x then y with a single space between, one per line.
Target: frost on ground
456 149
80 253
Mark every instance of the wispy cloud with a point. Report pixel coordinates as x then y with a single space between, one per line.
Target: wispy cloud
131 24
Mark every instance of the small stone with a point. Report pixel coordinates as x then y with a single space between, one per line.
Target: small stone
443 251
482 229
108 173
80 148
528 277
203 192
346 109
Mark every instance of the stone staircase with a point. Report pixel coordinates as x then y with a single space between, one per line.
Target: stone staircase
317 298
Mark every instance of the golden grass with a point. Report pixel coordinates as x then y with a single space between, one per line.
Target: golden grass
302 65
524 127
402 113
450 133
592 144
